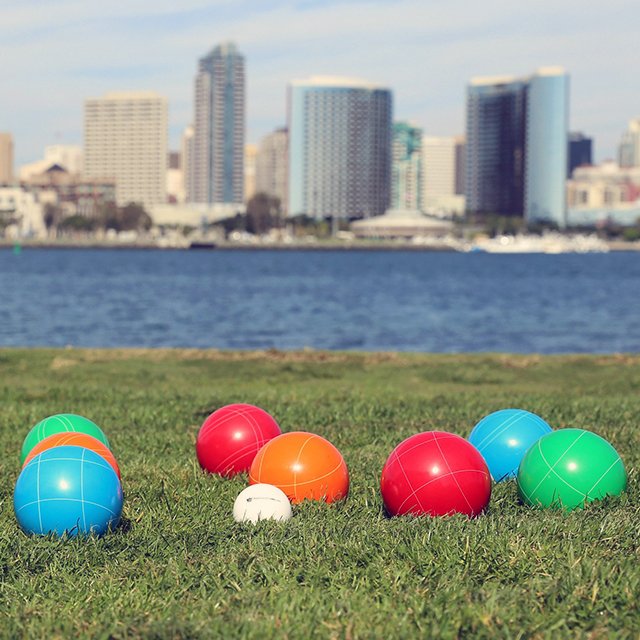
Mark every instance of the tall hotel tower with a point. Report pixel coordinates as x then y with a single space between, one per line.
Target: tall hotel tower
218 141
516 154
339 147
125 138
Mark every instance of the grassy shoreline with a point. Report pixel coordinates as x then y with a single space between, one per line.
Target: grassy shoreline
180 567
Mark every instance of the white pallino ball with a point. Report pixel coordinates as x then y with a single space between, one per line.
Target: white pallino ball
261 502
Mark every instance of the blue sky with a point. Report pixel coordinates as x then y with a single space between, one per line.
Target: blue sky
56 53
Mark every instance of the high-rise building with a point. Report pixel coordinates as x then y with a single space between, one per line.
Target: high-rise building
461 150
219 127
629 149
187 152
516 158
580 152
6 158
406 169
250 153
272 166
125 138
339 147
439 168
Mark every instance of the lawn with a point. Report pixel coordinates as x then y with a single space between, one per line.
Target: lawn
179 566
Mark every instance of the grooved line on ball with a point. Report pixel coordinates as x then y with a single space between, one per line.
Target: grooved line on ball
597 482
406 477
84 520
295 464
250 421
234 456
584 495
531 495
95 504
302 482
446 475
499 429
443 436
38 493
454 476
230 415
106 465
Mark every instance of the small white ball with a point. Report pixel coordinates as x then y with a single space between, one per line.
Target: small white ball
261 502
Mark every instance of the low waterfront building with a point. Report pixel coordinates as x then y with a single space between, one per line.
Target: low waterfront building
73 194
21 214
402 224
606 192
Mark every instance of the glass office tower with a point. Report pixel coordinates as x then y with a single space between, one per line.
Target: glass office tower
339 148
516 155
219 127
546 147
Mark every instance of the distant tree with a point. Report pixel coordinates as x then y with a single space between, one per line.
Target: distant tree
78 223
263 212
133 217
52 216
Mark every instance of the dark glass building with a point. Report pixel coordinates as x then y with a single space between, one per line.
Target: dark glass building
580 152
516 155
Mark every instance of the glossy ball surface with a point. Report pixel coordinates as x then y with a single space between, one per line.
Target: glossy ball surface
304 465
569 468
261 502
77 440
67 489
435 473
503 437
60 423
230 438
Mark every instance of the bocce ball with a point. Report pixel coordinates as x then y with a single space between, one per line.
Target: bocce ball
75 439
67 489
261 502
230 438
568 468
304 465
61 422
503 437
435 473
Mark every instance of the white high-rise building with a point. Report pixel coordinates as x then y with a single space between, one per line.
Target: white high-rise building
629 149
439 164
6 158
125 138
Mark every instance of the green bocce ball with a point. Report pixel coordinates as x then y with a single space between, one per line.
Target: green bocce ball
569 468
60 423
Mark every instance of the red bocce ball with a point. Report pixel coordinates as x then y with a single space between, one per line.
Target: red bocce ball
435 473
230 438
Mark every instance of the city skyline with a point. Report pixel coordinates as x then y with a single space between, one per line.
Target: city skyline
426 55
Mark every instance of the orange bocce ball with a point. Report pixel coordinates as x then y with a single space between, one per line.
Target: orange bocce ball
304 465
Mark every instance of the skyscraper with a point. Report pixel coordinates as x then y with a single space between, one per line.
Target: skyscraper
125 138
516 159
580 152
339 147
629 149
406 170
219 127
439 169
6 158
272 166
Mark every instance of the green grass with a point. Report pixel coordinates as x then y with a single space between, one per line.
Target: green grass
179 566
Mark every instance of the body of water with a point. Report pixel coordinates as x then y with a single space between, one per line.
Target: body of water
345 300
